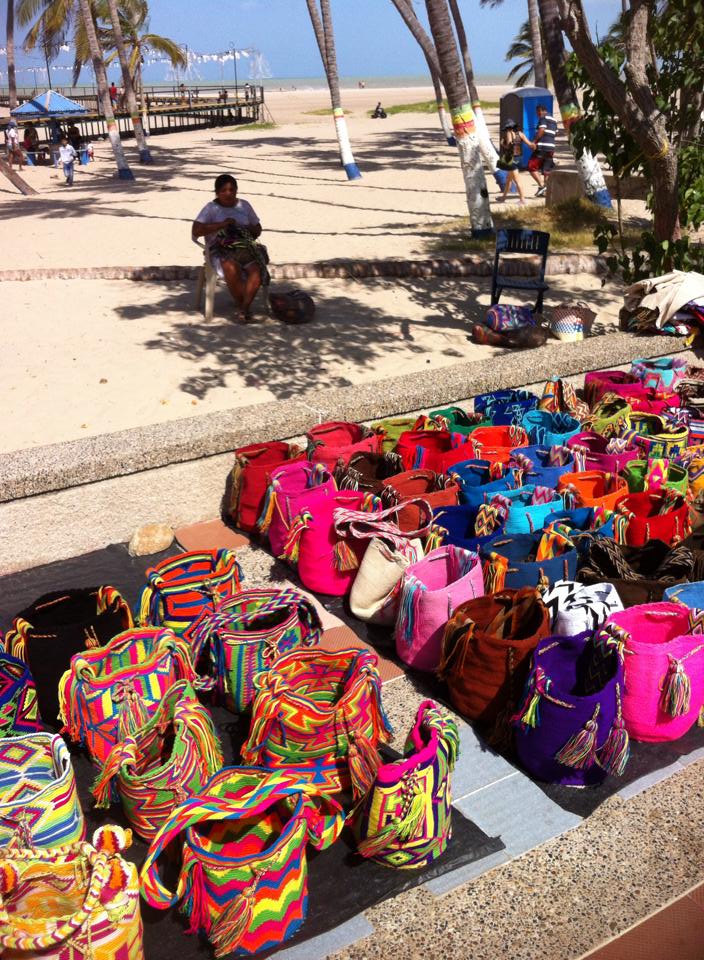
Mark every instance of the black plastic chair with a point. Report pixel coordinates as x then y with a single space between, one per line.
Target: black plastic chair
520 241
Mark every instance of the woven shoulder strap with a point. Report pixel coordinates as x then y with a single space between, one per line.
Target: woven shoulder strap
383 524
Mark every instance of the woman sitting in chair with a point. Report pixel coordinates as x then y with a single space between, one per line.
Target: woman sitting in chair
230 228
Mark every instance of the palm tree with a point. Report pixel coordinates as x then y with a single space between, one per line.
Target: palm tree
488 150
322 27
408 15
462 116
537 46
10 46
101 80
521 50
592 176
144 154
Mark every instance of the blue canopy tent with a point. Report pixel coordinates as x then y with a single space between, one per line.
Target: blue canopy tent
48 104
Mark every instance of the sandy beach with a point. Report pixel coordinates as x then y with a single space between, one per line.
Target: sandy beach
105 355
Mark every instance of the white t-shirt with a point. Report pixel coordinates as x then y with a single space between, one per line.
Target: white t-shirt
242 213
12 137
66 153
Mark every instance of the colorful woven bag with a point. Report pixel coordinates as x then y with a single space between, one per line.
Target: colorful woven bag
162 763
569 728
18 698
336 441
108 693
476 478
244 869
249 478
78 900
181 589
292 488
320 711
597 383
415 488
527 508
430 590
640 574
657 438
391 429
406 819
60 625
690 594
642 517
662 649
582 525
571 322
486 651
529 560
367 471
594 452
549 429
502 407
38 797
424 449
249 632
458 526
660 373
592 488
458 422
326 562
576 607
645 476
610 417
542 465
496 443
509 316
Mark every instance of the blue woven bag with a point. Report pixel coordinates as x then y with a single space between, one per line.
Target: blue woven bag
542 465
509 563
456 526
549 429
474 479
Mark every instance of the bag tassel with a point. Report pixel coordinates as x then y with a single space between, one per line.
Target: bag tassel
195 903
580 750
615 752
379 842
229 928
495 570
408 608
132 710
293 539
700 718
677 691
343 557
268 507
435 538
197 720
538 685
236 487
122 754
363 760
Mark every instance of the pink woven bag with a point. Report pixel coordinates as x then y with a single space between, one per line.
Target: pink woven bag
336 441
662 647
327 563
430 591
292 487
592 451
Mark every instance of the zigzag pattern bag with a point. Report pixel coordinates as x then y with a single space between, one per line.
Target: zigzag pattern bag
18 698
107 694
59 625
249 632
244 868
39 804
320 712
162 763
181 589
406 819
79 900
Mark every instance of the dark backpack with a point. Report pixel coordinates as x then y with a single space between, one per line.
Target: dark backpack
292 306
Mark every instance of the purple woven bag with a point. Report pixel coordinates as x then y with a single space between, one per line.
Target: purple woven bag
569 728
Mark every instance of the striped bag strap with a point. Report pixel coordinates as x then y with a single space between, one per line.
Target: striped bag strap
383 524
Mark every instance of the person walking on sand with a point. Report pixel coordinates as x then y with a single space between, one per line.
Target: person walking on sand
67 156
12 144
230 228
543 160
509 152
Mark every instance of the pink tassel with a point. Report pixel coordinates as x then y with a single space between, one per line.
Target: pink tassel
195 902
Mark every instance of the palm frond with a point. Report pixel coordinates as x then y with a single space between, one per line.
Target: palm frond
169 48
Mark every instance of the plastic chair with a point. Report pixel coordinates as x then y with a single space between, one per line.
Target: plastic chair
208 280
520 241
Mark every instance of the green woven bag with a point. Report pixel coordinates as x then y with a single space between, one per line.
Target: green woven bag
393 428
642 475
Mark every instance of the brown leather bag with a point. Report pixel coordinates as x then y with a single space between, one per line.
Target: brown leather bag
486 653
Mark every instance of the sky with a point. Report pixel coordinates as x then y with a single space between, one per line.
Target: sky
371 39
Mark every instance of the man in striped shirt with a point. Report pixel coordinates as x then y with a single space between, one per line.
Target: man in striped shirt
542 160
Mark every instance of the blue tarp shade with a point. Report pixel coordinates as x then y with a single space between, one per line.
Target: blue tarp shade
49 104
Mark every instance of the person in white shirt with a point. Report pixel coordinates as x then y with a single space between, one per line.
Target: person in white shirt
12 143
238 260
67 156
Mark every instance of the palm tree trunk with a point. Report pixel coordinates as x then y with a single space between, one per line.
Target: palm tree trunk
539 71
408 15
322 27
462 117
15 179
10 46
96 56
592 176
144 154
489 154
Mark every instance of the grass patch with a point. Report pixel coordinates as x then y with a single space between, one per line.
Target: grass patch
429 106
570 225
323 112
263 125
